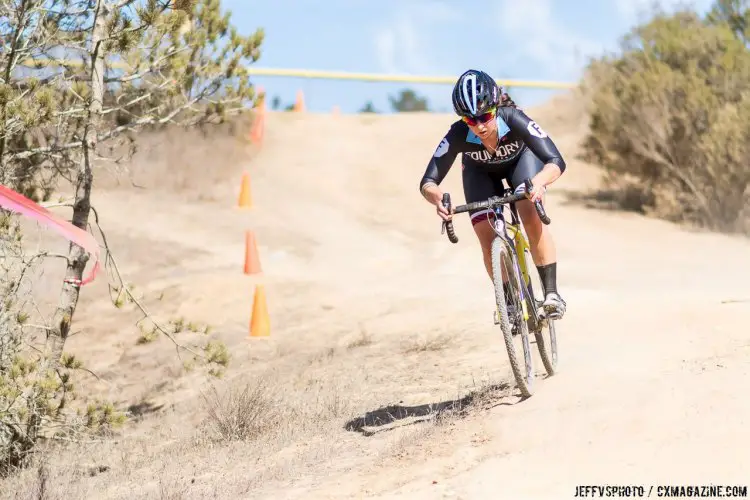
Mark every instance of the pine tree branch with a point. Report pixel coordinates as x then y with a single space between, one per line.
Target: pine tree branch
125 3
44 150
153 68
122 286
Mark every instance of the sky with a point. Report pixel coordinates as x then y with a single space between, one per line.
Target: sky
517 39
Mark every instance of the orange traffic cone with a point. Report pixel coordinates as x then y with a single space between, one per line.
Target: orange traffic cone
299 104
257 129
246 200
260 326
252 261
259 124
261 99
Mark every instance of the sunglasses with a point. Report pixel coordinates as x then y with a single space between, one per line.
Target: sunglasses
480 119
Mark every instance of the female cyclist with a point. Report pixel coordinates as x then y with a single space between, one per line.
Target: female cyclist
499 142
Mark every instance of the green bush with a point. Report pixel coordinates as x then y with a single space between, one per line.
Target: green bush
670 120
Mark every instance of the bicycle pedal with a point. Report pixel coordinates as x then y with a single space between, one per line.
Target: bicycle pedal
544 314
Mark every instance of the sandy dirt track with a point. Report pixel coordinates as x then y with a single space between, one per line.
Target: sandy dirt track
654 368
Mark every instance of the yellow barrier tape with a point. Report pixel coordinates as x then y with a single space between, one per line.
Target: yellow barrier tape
341 75
375 77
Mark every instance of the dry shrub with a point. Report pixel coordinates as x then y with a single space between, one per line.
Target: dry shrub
364 339
670 121
51 477
242 413
428 343
263 409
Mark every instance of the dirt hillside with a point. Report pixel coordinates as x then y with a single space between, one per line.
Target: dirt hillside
375 314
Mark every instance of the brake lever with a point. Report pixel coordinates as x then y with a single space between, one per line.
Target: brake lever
446 223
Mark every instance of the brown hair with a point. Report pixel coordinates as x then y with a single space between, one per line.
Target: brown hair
505 100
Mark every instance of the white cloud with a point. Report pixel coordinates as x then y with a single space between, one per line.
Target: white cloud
535 36
398 47
633 11
402 44
630 10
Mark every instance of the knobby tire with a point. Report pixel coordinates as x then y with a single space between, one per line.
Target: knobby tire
524 375
547 350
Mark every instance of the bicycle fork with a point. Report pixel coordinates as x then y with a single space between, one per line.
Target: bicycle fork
521 269
515 246
536 320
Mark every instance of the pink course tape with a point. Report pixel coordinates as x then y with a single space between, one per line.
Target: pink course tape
11 200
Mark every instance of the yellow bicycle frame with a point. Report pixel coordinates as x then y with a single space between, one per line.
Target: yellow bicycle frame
521 244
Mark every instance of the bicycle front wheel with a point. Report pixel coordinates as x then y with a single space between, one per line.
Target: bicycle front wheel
504 262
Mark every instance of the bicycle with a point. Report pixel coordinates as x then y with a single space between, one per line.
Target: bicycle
513 249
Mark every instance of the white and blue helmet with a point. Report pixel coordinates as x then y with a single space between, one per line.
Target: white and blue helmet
475 93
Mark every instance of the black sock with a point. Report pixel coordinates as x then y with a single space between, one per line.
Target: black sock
548 277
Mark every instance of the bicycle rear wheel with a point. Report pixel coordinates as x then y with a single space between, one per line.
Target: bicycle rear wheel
547 349
523 371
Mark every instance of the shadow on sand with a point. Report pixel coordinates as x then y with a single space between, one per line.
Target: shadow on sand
376 421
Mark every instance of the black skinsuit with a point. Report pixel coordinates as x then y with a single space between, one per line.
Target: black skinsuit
523 150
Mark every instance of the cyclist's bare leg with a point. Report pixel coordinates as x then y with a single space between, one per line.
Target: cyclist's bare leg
541 243
485 233
544 253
